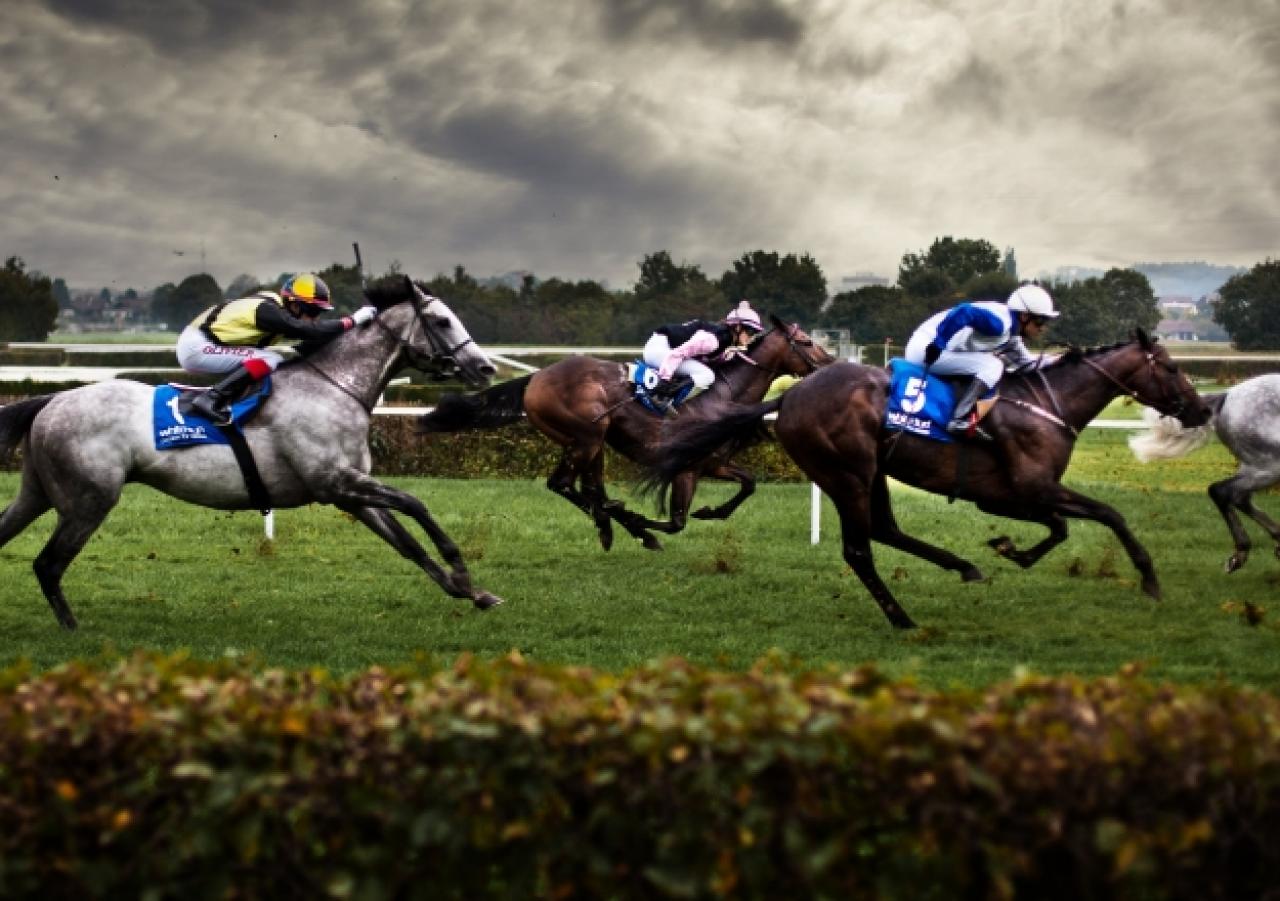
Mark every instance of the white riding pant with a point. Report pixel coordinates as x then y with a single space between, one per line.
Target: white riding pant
196 353
658 348
987 367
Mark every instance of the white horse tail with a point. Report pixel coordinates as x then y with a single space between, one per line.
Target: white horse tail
1166 438
16 419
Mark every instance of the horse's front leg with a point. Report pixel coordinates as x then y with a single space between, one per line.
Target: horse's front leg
369 501
729 473
1070 503
1004 545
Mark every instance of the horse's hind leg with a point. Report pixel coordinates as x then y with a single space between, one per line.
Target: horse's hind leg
1028 558
884 529
69 537
1236 493
386 527
30 504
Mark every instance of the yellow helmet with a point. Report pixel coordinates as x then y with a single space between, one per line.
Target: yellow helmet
307 288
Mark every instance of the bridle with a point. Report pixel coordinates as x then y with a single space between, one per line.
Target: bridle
1177 410
793 342
440 362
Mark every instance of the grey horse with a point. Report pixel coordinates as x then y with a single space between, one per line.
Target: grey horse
1247 420
310 441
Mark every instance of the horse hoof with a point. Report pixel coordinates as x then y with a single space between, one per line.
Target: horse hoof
972 574
708 513
1152 590
650 542
69 623
486 601
1235 561
606 539
1002 545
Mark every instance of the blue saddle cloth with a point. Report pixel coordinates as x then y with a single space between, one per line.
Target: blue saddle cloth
175 427
918 403
645 378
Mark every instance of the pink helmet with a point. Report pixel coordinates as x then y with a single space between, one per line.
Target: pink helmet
744 315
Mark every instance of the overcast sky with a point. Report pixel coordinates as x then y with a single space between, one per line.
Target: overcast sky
572 137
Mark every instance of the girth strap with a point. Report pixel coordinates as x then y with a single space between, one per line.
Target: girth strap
248 468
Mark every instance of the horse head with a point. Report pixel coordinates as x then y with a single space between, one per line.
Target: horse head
1143 369
431 336
788 350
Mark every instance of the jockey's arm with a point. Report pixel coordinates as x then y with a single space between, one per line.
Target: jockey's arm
1016 355
966 315
273 320
700 344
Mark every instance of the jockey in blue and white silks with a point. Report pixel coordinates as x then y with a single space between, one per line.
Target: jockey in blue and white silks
980 339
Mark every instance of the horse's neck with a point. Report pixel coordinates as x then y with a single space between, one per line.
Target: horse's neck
1079 391
745 381
359 363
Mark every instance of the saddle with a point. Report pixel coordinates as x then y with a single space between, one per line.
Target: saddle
644 379
922 403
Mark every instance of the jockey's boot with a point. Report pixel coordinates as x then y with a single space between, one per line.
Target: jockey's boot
215 403
964 420
667 389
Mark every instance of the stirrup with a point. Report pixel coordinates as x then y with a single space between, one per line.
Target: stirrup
208 408
967 427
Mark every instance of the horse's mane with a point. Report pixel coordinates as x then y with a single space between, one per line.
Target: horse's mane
389 291
1074 354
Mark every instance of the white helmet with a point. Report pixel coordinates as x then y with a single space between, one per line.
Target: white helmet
744 315
1034 300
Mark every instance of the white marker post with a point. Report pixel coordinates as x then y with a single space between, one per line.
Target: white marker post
815 513
269 524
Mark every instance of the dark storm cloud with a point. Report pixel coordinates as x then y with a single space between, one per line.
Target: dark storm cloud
716 23
572 138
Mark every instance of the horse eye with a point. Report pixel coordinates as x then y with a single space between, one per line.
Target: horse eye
442 322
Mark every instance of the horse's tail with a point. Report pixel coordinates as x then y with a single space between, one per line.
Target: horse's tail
690 447
489 409
15 421
1166 438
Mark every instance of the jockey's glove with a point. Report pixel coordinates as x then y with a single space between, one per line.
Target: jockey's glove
931 354
364 315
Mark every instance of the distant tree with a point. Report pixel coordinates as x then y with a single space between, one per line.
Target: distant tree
1088 315
791 287
61 294
661 278
1250 307
946 266
1134 301
346 292
175 307
876 313
242 285
28 309
995 285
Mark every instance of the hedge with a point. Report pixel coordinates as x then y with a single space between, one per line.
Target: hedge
165 777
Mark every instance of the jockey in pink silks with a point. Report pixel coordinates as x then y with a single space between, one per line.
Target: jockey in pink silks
678 350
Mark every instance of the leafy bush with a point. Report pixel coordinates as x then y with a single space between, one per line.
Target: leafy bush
165 777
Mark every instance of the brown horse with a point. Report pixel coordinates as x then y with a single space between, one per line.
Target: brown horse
583 403
832 426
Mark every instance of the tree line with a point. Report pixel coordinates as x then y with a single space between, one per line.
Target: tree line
1096 310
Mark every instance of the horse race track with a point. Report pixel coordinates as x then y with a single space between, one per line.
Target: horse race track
165 576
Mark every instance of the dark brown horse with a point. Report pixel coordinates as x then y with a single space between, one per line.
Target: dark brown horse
583 403
832 426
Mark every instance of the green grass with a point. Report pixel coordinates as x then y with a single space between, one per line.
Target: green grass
167 576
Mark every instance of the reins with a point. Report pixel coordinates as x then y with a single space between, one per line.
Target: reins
440 350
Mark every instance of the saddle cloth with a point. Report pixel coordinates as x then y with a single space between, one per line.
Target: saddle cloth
645 378
175 425
921 403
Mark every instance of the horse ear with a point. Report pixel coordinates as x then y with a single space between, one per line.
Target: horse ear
1144 340
777 323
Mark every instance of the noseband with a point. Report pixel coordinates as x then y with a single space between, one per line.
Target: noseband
441 363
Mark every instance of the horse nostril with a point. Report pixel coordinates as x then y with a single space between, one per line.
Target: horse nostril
488 369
